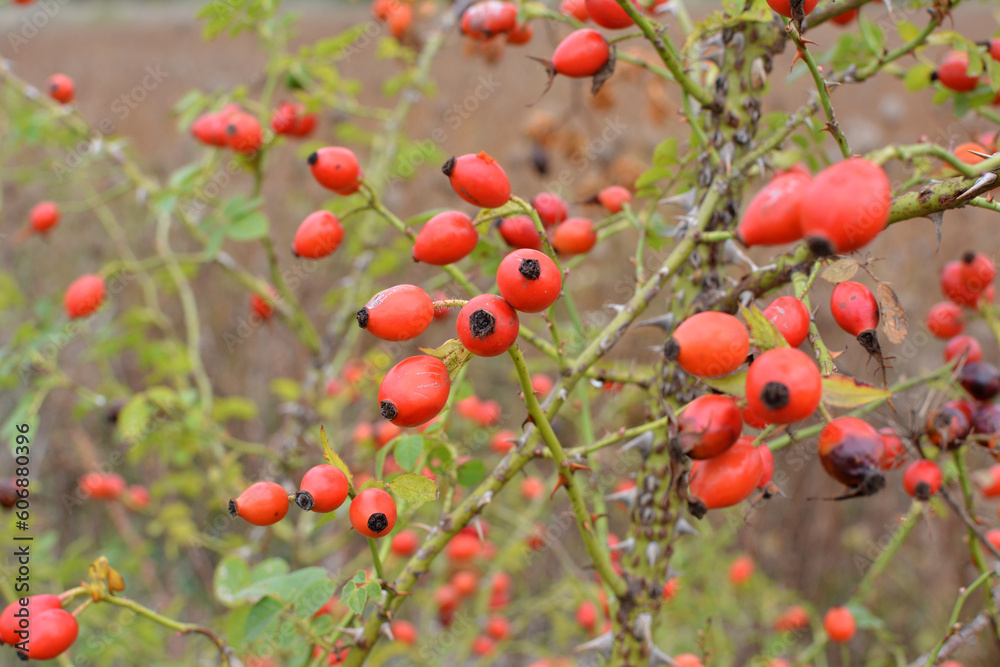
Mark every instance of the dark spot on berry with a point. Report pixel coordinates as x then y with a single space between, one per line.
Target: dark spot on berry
363 318
449 167
378 522
969 256
775 396
482 324
934 76
874 482
819 246
231 130
233 510
697 509
923 491
388 410
531 269
313 158
671 349
304 500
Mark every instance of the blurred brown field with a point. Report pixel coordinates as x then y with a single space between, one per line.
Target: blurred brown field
815 547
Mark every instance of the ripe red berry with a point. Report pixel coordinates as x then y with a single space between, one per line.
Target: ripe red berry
529 280
965 347
414 391
791 317
482 645
318 235
772 218
581 54
292 120
44 216
981 379
210 128
373 512
50 634
614 198
709 425
575 8
724 480
399 313
688 660
953 288
446 238
36 605
767 459
608 14
845 18
498 628
520 34
323 489
478 179
586 615
243 133
741 569
487 325
851 452
519 232
84 296
845 207
708 344
953 73
977 271
405 543
945 320
262 504
575 236
102 486
989 481
784 7
894 455
532 488
922 479
839 624
856 311
464 547
486 19
503 441
336 168
136 497
783 386
264 307
61 88
792 619
404 631
465 582
551 208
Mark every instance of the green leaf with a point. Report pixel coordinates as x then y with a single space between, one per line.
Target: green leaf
268 569
284 586
249 228
845 392
355 598
872 35
262 616
373 590
452 353
233 407
232 575
907 30
408 451
333 459
311 599
654 175
665 153
413 488
286 389
134 418
762 330
918 77
471 472
734 384
865 619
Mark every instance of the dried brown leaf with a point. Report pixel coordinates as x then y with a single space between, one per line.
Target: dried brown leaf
892 313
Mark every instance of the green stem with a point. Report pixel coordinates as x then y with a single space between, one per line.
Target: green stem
889 552
177 626
376 560
956 610
824 94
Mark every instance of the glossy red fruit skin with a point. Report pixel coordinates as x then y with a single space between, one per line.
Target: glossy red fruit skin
953 73
335 168
529 280
51 633
102 486
613 198
478 179
989 485
750 418
446 238
846 206
839 624
922 479
318 236
709 425
791 317
519 232
414 391
262 504
767 459
709 344
327 488
773 216
851 452
373 513
61 88
264 308
551 208
210 129
44 216
608 14
854 308
846 18
575 236
724 480
487 325
575 8
783 386
981 379
784 7
243 133
894 453
581 54
84 296
399 313
963 345
977 272
520 34
945 320
36 605
405 543
292 120
486 19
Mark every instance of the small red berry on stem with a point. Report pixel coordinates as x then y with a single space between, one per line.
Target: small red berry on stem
772 218
373 513
336 168
399 313
529 280
319 235
783 386
519 232
262 504
922 479
84 296
852 451
551 208
61 88
708 426
323 489
414 391
487 325
575 236
791 317
478 179
953 73
845 206
708 344
446 238
945 320
839 624
44 216
614 198
724 480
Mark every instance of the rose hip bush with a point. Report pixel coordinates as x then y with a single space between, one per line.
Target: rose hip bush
459 468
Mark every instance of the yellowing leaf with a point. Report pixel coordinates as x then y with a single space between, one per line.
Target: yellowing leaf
845 392
734 384
333 459
413 488
452 353
839 271
765 335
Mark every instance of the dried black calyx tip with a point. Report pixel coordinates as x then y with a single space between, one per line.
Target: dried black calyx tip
923 491
304 500
531 269
378 522
775 396
869 341
820 247
313 158
363 318
671 349
294 253
934 75
697 509
873 482
388 410
231 129
482 324
969 256
449 167
233 510
498 222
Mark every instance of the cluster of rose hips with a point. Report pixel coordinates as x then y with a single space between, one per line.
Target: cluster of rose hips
47 628
323 489
111 486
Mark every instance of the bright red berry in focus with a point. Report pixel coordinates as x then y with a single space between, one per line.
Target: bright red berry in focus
318 236
446 238
709 425
262 504
854 308
783 386
839 624
399 313
575 236
84 296
44 216
414 391
772 218
323 489
51 633
336 168
852 451
922 479
608 14
791 317
709 344
61 88
529 280
581 54
478 179
487 325
724 480
784 7
519 232
845 207
373 513
953 73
